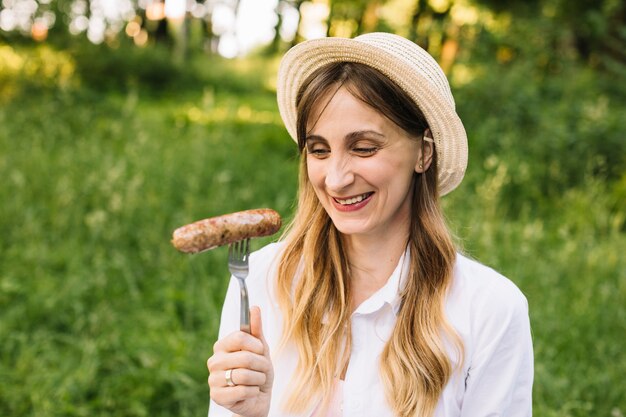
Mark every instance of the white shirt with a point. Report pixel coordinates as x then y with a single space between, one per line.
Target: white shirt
486 309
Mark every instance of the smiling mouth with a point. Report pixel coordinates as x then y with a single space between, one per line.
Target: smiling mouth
352 200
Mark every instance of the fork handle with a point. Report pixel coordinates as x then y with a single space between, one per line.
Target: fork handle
244 312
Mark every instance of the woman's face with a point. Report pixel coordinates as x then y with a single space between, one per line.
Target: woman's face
361 166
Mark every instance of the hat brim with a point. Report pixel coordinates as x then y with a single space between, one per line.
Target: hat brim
447 129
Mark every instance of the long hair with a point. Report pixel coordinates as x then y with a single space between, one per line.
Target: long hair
313 283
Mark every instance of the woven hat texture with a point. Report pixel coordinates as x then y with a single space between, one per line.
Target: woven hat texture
405 63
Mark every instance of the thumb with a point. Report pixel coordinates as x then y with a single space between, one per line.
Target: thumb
256 325
256 329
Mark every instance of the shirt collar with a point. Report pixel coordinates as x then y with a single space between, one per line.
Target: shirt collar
389 294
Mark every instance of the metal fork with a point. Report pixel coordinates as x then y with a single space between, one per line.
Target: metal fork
238 254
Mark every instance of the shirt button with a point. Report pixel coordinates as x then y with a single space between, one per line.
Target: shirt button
354 405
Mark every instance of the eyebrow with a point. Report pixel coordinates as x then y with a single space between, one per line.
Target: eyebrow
313 139
350 137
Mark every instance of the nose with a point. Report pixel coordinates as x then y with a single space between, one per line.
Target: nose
339 174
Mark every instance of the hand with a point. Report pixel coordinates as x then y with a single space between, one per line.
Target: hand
248 358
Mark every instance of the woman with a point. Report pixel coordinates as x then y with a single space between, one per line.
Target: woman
365 308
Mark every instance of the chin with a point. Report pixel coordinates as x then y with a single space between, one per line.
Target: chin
345 228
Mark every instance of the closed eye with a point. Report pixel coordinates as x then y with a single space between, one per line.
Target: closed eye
317 147
362 151
318 152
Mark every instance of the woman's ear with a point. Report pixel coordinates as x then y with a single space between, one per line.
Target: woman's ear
425 152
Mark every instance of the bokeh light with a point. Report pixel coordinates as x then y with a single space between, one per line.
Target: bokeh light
155 10
175 9
39 30
133 28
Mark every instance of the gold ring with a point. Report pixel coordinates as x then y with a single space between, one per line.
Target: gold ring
229 379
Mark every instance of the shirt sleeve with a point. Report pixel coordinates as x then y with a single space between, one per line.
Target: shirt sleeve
500 376
228 324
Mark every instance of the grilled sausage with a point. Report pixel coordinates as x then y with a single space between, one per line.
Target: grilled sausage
221 230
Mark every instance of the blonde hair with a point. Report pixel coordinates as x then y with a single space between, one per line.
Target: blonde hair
313 282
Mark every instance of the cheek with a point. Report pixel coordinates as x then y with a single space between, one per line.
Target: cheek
383 170
314 172
393 175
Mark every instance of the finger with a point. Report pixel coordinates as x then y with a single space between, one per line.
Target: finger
241 359
237 341
238 376
228 396
256 327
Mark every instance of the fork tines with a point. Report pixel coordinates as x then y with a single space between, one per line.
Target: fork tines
239 251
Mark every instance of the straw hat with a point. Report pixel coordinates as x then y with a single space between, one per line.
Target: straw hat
405 63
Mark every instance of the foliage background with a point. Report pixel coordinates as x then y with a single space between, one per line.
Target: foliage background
104 151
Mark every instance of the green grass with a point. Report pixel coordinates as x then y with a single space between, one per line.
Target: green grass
99 315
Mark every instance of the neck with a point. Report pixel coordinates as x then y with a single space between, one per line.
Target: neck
372 261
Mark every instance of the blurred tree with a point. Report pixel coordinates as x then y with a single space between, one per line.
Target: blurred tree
283 7
423 19
595 28
274 47
368 20
524 6
350 18
598 27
